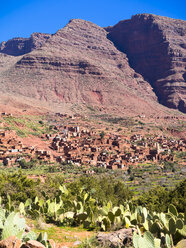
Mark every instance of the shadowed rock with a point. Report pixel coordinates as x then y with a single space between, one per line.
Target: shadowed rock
156 48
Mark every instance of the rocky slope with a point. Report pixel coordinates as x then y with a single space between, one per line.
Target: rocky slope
79 65
156 48
84 64
20 46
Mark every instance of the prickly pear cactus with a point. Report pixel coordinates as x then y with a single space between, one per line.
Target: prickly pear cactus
145 241
13 225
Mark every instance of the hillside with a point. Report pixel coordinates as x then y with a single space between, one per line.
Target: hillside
85 65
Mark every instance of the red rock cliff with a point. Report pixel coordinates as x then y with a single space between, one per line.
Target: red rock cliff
156 48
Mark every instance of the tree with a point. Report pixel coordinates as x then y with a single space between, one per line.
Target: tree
102 134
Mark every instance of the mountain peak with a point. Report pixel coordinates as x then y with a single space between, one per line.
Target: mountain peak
116 68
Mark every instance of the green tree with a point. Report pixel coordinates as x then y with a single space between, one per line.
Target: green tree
102 134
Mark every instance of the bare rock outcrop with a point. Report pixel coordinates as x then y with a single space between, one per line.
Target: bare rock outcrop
20 46
156 48
32 244
11 242
120 238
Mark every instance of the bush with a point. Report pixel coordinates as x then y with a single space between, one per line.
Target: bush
28 165
102 134
18 186
102 188
159 198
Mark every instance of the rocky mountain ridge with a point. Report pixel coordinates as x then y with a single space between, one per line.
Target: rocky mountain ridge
84 64
156 48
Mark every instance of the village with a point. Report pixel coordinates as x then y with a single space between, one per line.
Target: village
85 146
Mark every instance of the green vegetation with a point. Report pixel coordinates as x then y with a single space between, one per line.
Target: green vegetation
20 188
147 176
17 186
139 178
159 198
102 134
27 125
75 206
181 155
91 243
103 186
12 225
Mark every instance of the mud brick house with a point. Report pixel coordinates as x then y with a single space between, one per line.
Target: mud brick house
85 146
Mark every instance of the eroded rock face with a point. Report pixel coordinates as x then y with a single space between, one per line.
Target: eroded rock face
20 46
84 64
156 48
79 65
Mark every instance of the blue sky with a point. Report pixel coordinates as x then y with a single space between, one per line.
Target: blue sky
20 18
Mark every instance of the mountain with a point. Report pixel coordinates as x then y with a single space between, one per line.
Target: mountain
156 48
86 65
